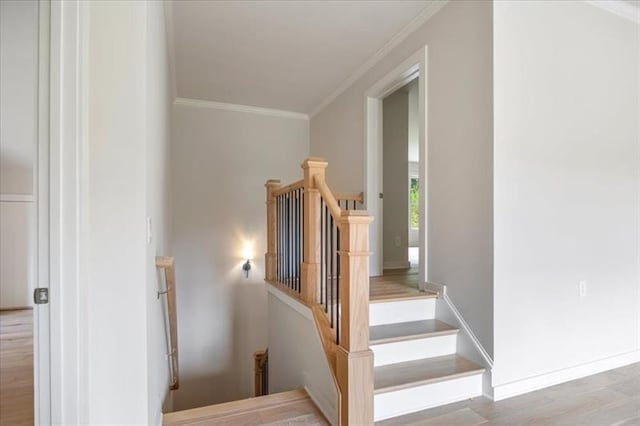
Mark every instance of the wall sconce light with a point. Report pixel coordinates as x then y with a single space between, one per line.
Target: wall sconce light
246 267
247 253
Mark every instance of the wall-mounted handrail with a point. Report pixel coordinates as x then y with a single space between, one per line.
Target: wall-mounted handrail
167 264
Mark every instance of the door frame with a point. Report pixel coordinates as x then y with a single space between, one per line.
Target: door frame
41 313
63 219
398 77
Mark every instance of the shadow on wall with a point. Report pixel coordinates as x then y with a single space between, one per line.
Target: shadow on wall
216 356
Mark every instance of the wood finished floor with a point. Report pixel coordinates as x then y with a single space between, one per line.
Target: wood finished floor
395 284
16 367
609 398
286 408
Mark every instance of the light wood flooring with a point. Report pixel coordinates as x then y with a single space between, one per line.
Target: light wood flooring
396 284
286 408
16 367
609 398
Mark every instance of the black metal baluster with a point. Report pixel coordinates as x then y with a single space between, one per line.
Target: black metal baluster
298 240
331 266
322 242
326 259
279 243
338 284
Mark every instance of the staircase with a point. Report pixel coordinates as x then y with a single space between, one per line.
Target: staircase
416 366
388 355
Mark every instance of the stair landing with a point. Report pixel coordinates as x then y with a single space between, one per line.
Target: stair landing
293 407
396 285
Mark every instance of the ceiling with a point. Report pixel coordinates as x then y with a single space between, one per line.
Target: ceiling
287 55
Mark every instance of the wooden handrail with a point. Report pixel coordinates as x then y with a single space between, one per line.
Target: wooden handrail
167 264
291 187
328 197
345 340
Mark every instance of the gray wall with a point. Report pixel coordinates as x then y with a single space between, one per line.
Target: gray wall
220 161
460 157
18 132
395 153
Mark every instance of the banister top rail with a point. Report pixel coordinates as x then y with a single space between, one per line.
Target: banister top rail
291 187
328 197
351 197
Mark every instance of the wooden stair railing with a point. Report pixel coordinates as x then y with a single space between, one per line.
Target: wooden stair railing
261 371
167 264
319 254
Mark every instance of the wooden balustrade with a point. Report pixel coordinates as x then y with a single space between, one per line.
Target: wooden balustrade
333 281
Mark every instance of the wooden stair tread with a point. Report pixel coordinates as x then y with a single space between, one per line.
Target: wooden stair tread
394 297
396 332
277 407
424 371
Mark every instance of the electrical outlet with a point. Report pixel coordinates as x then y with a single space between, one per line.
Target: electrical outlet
398 241
583 288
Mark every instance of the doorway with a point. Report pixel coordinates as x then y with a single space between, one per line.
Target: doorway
24 123
400 176
408 243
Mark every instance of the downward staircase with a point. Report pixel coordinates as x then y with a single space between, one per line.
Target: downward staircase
416 366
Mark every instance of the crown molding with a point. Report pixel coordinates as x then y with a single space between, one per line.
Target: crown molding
240 108
431 9
621 8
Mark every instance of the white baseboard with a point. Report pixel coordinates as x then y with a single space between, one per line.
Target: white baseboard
542 381
467 329
396 264
329 410
439 289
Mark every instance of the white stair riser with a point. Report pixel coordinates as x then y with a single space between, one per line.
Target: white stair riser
410 350
410 400
401 311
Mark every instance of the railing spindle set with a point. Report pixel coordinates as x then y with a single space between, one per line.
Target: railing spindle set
318 253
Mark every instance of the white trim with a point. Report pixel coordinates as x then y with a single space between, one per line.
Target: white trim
465 326
290 301
323 404
240 108
373 173
618 7
439 289
530 384
17 198
427 13
396 264
68 211
41 313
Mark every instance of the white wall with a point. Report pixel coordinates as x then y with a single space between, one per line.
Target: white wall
220 161
158 189
460 158
296 356
567 187
18 121
18 78
395 164
128 119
